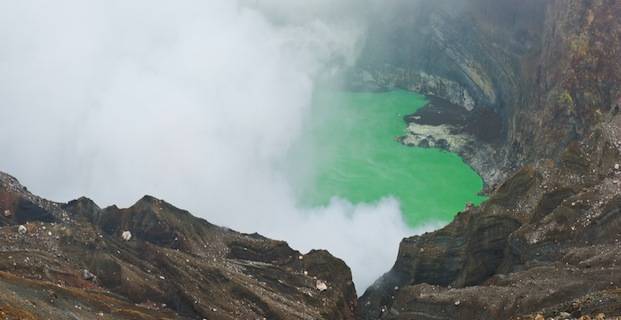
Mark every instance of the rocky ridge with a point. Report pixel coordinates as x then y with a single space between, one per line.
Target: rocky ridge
153 261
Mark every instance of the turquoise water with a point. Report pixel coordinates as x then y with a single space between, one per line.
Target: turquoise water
348 150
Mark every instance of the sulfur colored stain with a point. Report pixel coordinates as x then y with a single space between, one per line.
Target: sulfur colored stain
348 150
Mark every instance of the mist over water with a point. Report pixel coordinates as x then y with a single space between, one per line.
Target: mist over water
190 101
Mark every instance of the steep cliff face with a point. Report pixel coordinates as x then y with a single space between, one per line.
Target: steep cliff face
548 240
478 54
153 261
576 83
467 52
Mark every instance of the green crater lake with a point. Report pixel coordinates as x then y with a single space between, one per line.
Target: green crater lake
348 150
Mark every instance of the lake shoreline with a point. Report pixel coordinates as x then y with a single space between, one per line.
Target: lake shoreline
472 134
350 139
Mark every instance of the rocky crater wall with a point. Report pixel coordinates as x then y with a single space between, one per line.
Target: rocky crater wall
546 244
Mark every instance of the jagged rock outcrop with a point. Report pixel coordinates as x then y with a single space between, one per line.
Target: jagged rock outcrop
540 244
547 244
74 264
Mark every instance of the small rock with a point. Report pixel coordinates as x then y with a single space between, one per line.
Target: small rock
162 277
457 302
600 316
301 258
617 166
321 286
87 275
564 315
126 235
8 213
540 317
22 229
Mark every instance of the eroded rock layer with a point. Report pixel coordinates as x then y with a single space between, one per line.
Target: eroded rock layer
153 261
547 244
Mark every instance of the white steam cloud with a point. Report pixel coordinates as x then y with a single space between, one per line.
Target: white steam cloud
190 101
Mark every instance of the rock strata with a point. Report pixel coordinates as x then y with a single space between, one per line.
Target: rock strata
77 262
546 243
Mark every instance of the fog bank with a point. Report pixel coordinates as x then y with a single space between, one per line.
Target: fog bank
190 101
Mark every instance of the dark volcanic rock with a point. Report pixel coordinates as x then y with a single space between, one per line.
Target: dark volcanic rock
476 134
439 111
547 242
484 124
175 266
539 245
478 54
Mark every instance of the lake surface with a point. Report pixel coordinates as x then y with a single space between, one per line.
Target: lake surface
348 150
